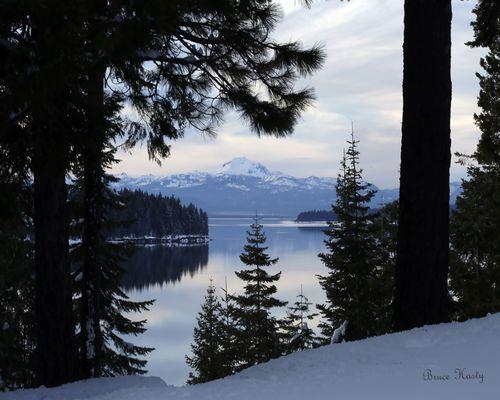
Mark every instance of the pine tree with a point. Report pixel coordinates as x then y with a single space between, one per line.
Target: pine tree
41 66
202 57
385 229
102 305
229 333
475 245
421 280
206 358
475 224
196 69
17 339
167 216
259 339
351 256
299 335
486 24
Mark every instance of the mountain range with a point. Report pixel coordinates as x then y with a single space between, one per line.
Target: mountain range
242 187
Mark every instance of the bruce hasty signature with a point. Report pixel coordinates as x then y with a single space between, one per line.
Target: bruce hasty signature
459 374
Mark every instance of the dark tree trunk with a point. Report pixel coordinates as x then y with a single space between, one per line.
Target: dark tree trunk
56 351
422 259
93 174
51 124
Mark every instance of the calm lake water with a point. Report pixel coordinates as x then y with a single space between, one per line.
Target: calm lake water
178 277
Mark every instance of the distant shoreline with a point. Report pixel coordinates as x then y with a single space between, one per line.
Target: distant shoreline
170 240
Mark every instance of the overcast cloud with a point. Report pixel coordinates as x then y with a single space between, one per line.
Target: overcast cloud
361 81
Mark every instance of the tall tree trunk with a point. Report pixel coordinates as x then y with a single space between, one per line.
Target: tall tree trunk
56 354
422 259
56 351
93 174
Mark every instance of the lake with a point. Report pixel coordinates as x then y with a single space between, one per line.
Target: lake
178 278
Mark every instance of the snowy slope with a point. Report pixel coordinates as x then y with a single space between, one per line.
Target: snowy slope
385 367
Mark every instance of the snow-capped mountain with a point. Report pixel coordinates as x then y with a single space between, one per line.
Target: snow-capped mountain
243 186
243 166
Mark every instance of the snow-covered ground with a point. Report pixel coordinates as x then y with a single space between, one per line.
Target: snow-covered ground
464 356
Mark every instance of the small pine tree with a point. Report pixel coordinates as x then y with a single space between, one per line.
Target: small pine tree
206 358
351 256
229 333
298 334
259 339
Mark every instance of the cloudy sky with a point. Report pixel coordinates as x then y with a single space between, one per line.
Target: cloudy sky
360 81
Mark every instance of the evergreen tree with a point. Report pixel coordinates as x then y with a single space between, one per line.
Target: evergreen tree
229 333
56 61
421 279
203 57
259 339
196 69
298 333
351 256
385 229
475 224
17 339
486 24
102 305
206 358
41 66
156 215
475 245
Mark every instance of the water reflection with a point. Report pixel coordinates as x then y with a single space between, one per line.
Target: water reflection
159 265
177 279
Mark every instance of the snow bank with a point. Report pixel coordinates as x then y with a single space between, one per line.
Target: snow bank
448 361
100 388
